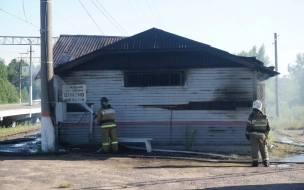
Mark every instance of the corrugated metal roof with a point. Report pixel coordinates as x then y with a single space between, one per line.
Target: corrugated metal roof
73 52
155 39
70 47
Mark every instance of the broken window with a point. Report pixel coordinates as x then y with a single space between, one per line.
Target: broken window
145 79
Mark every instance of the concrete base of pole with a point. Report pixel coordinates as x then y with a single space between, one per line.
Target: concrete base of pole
30 96
47 135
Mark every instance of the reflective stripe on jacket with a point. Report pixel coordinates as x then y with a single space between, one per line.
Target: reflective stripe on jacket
106 117
257 123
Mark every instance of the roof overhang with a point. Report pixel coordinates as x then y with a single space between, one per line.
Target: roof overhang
250 63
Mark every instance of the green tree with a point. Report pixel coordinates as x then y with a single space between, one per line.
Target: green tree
3 69
14 78
8 93
297 74
259 54
24 95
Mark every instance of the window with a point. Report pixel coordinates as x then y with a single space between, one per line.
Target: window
144 79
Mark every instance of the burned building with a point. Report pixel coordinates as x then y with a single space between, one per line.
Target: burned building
162 86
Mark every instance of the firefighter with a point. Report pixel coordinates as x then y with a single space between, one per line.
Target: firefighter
105 118
257 131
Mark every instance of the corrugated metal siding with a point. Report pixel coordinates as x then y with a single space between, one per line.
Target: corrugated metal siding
70 47
209 84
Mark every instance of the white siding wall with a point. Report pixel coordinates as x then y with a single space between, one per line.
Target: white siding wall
208 84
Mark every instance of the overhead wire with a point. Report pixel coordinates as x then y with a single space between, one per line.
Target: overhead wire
68 22
153 12
7 53
142 11
30 12
107 17
19 18
112 17
91 17
65 19
135 12
157 13
24 11
150 9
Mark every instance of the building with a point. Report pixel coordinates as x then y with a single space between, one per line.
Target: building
184 94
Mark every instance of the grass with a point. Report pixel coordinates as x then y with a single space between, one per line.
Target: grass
280 149
283 150
290 118
20 127
65 185
234 154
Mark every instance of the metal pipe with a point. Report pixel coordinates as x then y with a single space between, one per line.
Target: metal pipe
30 75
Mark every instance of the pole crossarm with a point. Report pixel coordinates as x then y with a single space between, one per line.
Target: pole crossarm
27 59
22 40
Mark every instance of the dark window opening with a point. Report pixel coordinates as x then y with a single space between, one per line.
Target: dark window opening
145 79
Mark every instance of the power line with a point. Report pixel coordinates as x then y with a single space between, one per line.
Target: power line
30 12
91 17
142 10
106 16
111 17
135 11
150 9
68 22
24 11
18 18
157 13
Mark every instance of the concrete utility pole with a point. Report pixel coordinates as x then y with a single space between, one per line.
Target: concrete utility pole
47 128
30 76
277 78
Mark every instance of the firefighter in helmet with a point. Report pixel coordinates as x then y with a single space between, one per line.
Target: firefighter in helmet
257 131
105 118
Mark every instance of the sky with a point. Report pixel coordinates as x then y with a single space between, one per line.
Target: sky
229 25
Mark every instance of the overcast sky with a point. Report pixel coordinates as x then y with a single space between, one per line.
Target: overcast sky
232 26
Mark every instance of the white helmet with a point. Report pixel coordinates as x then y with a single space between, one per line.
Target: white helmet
257 104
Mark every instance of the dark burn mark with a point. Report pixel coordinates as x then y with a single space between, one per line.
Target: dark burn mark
217 105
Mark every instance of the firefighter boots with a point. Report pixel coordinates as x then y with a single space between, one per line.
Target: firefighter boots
266 163
255 163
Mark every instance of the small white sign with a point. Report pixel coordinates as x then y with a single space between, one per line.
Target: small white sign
25 71
74 93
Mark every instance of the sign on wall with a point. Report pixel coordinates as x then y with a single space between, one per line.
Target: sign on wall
74 93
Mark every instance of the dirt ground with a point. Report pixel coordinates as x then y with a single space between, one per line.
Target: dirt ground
140 170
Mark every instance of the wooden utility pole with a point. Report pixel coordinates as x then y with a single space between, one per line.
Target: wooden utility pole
47 127
277 78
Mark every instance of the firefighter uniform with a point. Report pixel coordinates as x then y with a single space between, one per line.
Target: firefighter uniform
106 118
257 131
